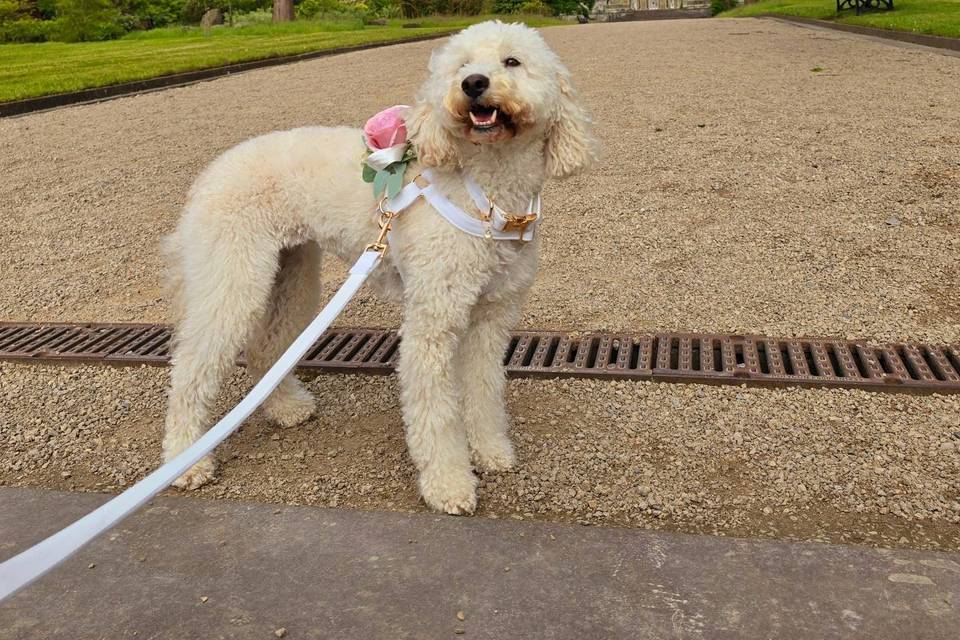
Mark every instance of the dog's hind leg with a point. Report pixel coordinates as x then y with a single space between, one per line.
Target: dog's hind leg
482 383
226 284
294 302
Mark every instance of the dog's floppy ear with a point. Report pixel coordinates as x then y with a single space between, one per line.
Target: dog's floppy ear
430 138
571 147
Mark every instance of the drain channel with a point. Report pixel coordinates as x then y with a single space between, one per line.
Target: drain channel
669 357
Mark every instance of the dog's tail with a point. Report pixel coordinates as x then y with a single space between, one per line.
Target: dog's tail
172 249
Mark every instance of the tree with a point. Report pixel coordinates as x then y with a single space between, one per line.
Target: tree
282 10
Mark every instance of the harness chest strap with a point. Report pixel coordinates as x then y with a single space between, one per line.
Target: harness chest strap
496 216
498 225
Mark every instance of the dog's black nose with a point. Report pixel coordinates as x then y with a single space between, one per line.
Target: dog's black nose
474 85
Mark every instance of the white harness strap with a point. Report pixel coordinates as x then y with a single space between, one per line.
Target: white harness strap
497 228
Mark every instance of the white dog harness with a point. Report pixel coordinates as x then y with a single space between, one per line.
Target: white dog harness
493 224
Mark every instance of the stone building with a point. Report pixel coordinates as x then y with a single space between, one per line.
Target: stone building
607 9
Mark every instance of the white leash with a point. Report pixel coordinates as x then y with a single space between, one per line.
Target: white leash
22 569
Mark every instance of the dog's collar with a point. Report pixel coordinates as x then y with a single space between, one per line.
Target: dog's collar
494 223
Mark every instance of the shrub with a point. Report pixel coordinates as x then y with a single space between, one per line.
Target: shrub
507 6
417 8
463 7
719 6
193 10
384 8
9 11
87 20
569 7
312 8
149 14
27 30
43 9
26 20
535 7
542 7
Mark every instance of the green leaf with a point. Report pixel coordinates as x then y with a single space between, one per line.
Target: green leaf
394 184
380 182
368 173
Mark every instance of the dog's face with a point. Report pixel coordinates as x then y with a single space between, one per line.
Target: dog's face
499 80
493 83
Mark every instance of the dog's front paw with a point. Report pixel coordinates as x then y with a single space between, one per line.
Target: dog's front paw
453 492
494 454
198 475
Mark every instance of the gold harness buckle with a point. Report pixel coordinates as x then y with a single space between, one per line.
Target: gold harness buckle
519 223
511 223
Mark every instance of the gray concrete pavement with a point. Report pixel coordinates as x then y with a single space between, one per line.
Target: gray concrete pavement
188 568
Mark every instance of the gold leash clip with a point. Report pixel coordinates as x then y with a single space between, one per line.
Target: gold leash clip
384 221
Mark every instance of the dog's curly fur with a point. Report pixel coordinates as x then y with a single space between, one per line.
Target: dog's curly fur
245 258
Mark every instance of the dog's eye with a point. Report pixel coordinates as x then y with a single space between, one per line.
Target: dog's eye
511 62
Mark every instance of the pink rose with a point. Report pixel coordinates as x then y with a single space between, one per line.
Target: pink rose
387 128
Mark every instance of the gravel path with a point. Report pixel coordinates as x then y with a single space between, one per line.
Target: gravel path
742 191
799 464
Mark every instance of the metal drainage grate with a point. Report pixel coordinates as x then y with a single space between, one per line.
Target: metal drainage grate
671 357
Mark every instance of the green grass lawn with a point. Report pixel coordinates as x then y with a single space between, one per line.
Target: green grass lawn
30 70
935 17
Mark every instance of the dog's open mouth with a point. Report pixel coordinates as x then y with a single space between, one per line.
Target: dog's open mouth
487 119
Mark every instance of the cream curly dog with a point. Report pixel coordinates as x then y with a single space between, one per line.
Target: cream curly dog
246 255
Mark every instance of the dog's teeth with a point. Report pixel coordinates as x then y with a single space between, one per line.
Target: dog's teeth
486 122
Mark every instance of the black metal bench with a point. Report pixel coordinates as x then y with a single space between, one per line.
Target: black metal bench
860 5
